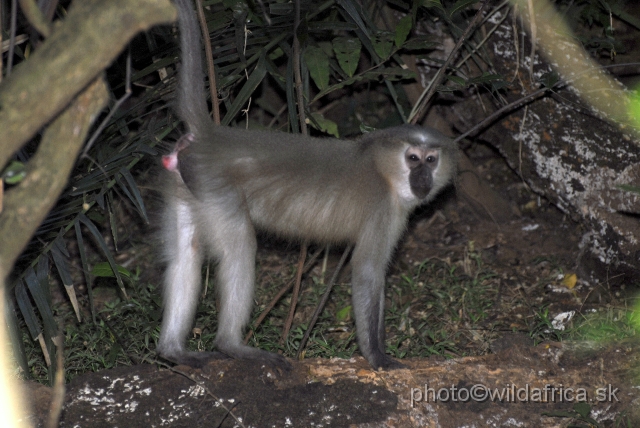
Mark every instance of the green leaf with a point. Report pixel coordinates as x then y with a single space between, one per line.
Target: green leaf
433 3
104 270
280 8
383 43
292 107
327 48
40 297
112 356
343 314
400 4
460 5
485 78
365 129
549 79
391 74
629 188
42 273
275 54
134 196
85 268
419 43
559 414
457 80
247 90
332 26
14 173
337 86
629 18
403 29
351 7
325 125
112 217
27 311
347 51
583 409
58 251
105 249
318 64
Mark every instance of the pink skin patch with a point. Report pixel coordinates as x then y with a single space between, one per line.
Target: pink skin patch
170 161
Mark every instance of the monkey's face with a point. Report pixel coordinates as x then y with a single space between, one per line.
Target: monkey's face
422 163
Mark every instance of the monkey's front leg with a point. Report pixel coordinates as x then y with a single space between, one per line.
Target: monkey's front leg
181 284
368 304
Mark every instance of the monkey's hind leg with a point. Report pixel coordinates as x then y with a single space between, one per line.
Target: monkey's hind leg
181 284
232 240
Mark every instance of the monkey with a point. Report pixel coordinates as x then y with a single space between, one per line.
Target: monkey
223 184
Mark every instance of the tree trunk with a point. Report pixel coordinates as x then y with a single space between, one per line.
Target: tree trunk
565 152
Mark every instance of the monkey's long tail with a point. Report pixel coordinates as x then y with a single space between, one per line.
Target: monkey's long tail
191 102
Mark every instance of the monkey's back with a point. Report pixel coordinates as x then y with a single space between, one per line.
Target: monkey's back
270 173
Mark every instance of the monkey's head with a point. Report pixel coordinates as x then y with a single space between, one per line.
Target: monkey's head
416 162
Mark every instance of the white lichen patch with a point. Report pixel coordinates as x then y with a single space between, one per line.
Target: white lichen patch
560 321
113 399
192 391
581 172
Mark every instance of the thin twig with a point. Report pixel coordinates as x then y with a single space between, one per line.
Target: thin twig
57 398
439 77
12 35
534 38
296 292
107 120
521 138
275 118
133 360
303 131
508 107
296 70
281 293
488 34
323 301
213 89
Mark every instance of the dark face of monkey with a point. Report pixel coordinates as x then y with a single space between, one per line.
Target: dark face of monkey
422 164
221 184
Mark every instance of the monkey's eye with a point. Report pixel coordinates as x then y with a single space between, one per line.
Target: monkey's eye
414 158
431 159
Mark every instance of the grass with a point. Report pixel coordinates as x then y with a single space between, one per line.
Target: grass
606 324
436 307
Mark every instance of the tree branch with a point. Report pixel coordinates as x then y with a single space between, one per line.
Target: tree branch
93 34
27 204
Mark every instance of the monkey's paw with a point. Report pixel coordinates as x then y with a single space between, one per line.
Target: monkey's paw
387 363
243 352
192 359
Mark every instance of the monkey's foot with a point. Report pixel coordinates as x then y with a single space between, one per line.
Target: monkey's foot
385 362
192 359
244 352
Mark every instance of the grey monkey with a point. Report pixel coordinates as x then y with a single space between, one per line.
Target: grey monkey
223 183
